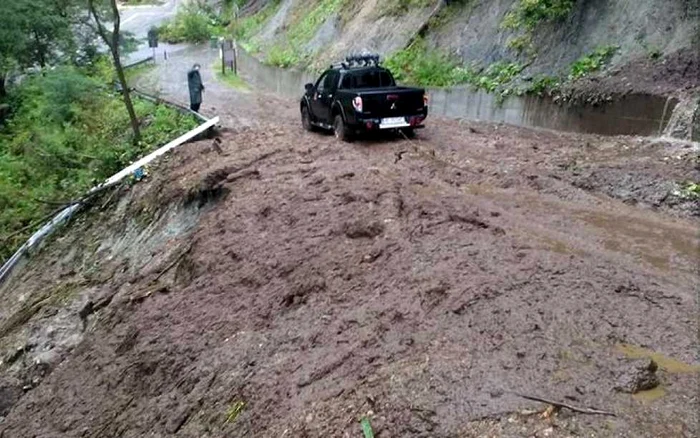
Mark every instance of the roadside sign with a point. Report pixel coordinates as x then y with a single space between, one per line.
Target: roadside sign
153 38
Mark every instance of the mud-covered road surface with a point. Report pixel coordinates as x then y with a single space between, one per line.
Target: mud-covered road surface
277 283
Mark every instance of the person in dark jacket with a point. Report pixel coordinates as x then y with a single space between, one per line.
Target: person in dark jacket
194 81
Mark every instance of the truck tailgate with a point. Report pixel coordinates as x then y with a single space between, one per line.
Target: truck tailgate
391 102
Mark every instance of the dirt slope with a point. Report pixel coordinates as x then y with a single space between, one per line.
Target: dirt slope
290 285
655 33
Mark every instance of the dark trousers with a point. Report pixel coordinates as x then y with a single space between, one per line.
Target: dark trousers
195 107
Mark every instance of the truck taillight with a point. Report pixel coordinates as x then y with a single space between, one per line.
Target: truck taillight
425 99
357 104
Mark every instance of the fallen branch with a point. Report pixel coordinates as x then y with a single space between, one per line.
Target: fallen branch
173 263
565 405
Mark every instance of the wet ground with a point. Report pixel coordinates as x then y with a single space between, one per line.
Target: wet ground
279 283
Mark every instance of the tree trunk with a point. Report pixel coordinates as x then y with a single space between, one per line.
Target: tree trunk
127 95
3 91
113 44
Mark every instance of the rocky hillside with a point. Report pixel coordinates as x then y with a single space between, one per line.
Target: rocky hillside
490 42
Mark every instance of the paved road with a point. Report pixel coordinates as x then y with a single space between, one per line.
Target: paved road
237 108
139 19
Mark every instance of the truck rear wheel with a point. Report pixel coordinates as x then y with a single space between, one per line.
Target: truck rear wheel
306 119
342 132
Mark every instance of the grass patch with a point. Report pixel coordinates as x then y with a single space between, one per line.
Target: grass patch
245 28
420 66
234 411
527 15
68 132
134 72
291 51
229 78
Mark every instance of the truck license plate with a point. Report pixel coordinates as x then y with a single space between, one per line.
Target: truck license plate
393 122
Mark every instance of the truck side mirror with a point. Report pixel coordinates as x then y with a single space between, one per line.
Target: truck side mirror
309 88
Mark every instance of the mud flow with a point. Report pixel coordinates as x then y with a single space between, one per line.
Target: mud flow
480 280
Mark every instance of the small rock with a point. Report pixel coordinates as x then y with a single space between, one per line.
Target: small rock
638 375
360 229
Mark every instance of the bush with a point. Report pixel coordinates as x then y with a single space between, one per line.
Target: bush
529 14
420 66
68 133
195 23
592 62
417 65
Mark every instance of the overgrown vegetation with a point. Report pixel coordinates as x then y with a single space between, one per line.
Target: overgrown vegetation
592 62
420 66
234 411
291 50
229 78
195 22
67 133
527 15
689 190
245 28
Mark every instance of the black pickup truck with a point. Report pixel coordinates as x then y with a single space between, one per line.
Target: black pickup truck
360 96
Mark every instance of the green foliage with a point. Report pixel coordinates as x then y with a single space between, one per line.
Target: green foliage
234 411
420 66
417 65
521 44
229 78
689 190
302 31
196 22
592 62
245 28
528 14
542 85
291 51
282 56
66 134
40 33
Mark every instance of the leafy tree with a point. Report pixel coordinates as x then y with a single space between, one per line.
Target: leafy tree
101 13
36 33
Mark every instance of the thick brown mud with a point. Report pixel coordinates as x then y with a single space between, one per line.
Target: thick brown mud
290 285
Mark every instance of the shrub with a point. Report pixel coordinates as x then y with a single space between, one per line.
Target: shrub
195 23
66 134
528 14
592 62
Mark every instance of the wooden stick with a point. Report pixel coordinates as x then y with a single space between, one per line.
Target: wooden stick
565 405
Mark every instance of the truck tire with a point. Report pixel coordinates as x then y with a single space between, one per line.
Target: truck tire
306 119
341 131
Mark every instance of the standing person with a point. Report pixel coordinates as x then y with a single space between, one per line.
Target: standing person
194 82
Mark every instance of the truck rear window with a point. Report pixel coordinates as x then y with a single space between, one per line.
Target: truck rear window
368 79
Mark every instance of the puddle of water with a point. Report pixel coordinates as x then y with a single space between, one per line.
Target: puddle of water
650 395
666 363
648 239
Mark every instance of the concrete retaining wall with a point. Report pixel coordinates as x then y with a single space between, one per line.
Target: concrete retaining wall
632 115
